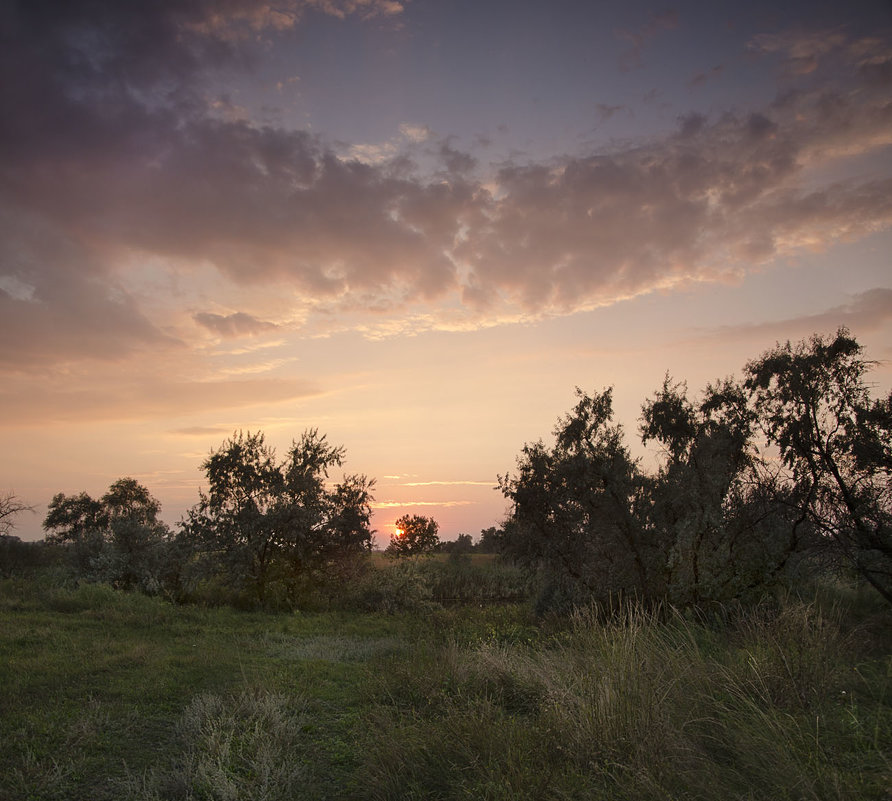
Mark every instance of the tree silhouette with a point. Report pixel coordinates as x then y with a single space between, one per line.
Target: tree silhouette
814 404
415 534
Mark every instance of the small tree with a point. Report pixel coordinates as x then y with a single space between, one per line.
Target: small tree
490 540
10 506
414 535
577 513
79 522
265 521
118 539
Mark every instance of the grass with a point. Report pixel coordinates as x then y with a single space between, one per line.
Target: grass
113 696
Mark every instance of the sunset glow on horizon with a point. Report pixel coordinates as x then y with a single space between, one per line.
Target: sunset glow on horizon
417 226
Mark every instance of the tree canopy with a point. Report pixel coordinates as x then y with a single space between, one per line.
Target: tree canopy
266 521
414 535
718 519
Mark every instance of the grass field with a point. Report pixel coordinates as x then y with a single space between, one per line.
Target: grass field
111 696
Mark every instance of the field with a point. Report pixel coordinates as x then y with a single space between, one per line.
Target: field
105 695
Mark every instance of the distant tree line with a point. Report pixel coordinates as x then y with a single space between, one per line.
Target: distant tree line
771 478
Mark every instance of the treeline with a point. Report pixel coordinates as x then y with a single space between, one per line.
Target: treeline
772 478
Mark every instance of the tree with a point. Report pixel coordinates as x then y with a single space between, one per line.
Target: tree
577 513
266 521
814 405
14 554
490 540
235 525
118 538
725 535
462 544
414 535
81 523
10 506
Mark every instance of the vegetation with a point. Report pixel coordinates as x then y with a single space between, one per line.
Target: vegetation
267 523
718 628
117 539
414 535
813 403
786 699
10 506
720 520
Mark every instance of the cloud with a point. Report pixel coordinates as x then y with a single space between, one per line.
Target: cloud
115 156
802 50
638 38
449 484
415 133
863 312
43 402
702 77
605 112
233 325
202 431
404 504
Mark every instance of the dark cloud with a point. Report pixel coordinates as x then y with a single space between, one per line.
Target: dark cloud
233 325
638 38
702 77
115 154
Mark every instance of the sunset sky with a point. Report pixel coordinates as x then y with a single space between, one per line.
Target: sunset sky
417 225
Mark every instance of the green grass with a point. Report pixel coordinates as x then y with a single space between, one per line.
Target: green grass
96 684
112 696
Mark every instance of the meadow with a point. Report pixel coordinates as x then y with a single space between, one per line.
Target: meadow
111 695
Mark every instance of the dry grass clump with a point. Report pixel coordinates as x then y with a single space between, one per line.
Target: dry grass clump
245 747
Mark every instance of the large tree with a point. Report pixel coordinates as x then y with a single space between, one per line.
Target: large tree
725 535
814 404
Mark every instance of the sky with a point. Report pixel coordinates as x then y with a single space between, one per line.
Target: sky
417 226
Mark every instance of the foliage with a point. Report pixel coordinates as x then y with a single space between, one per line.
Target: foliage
726 534
253 745
578 513
117 539
462 544
490 540
266 523
717 521
424 584
414 535
645 706
814 404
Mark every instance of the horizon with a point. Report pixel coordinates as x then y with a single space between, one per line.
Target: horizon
418 227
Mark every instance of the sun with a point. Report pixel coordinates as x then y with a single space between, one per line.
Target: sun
399 532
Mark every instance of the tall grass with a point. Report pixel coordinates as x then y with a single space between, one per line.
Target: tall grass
106 696
641 707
